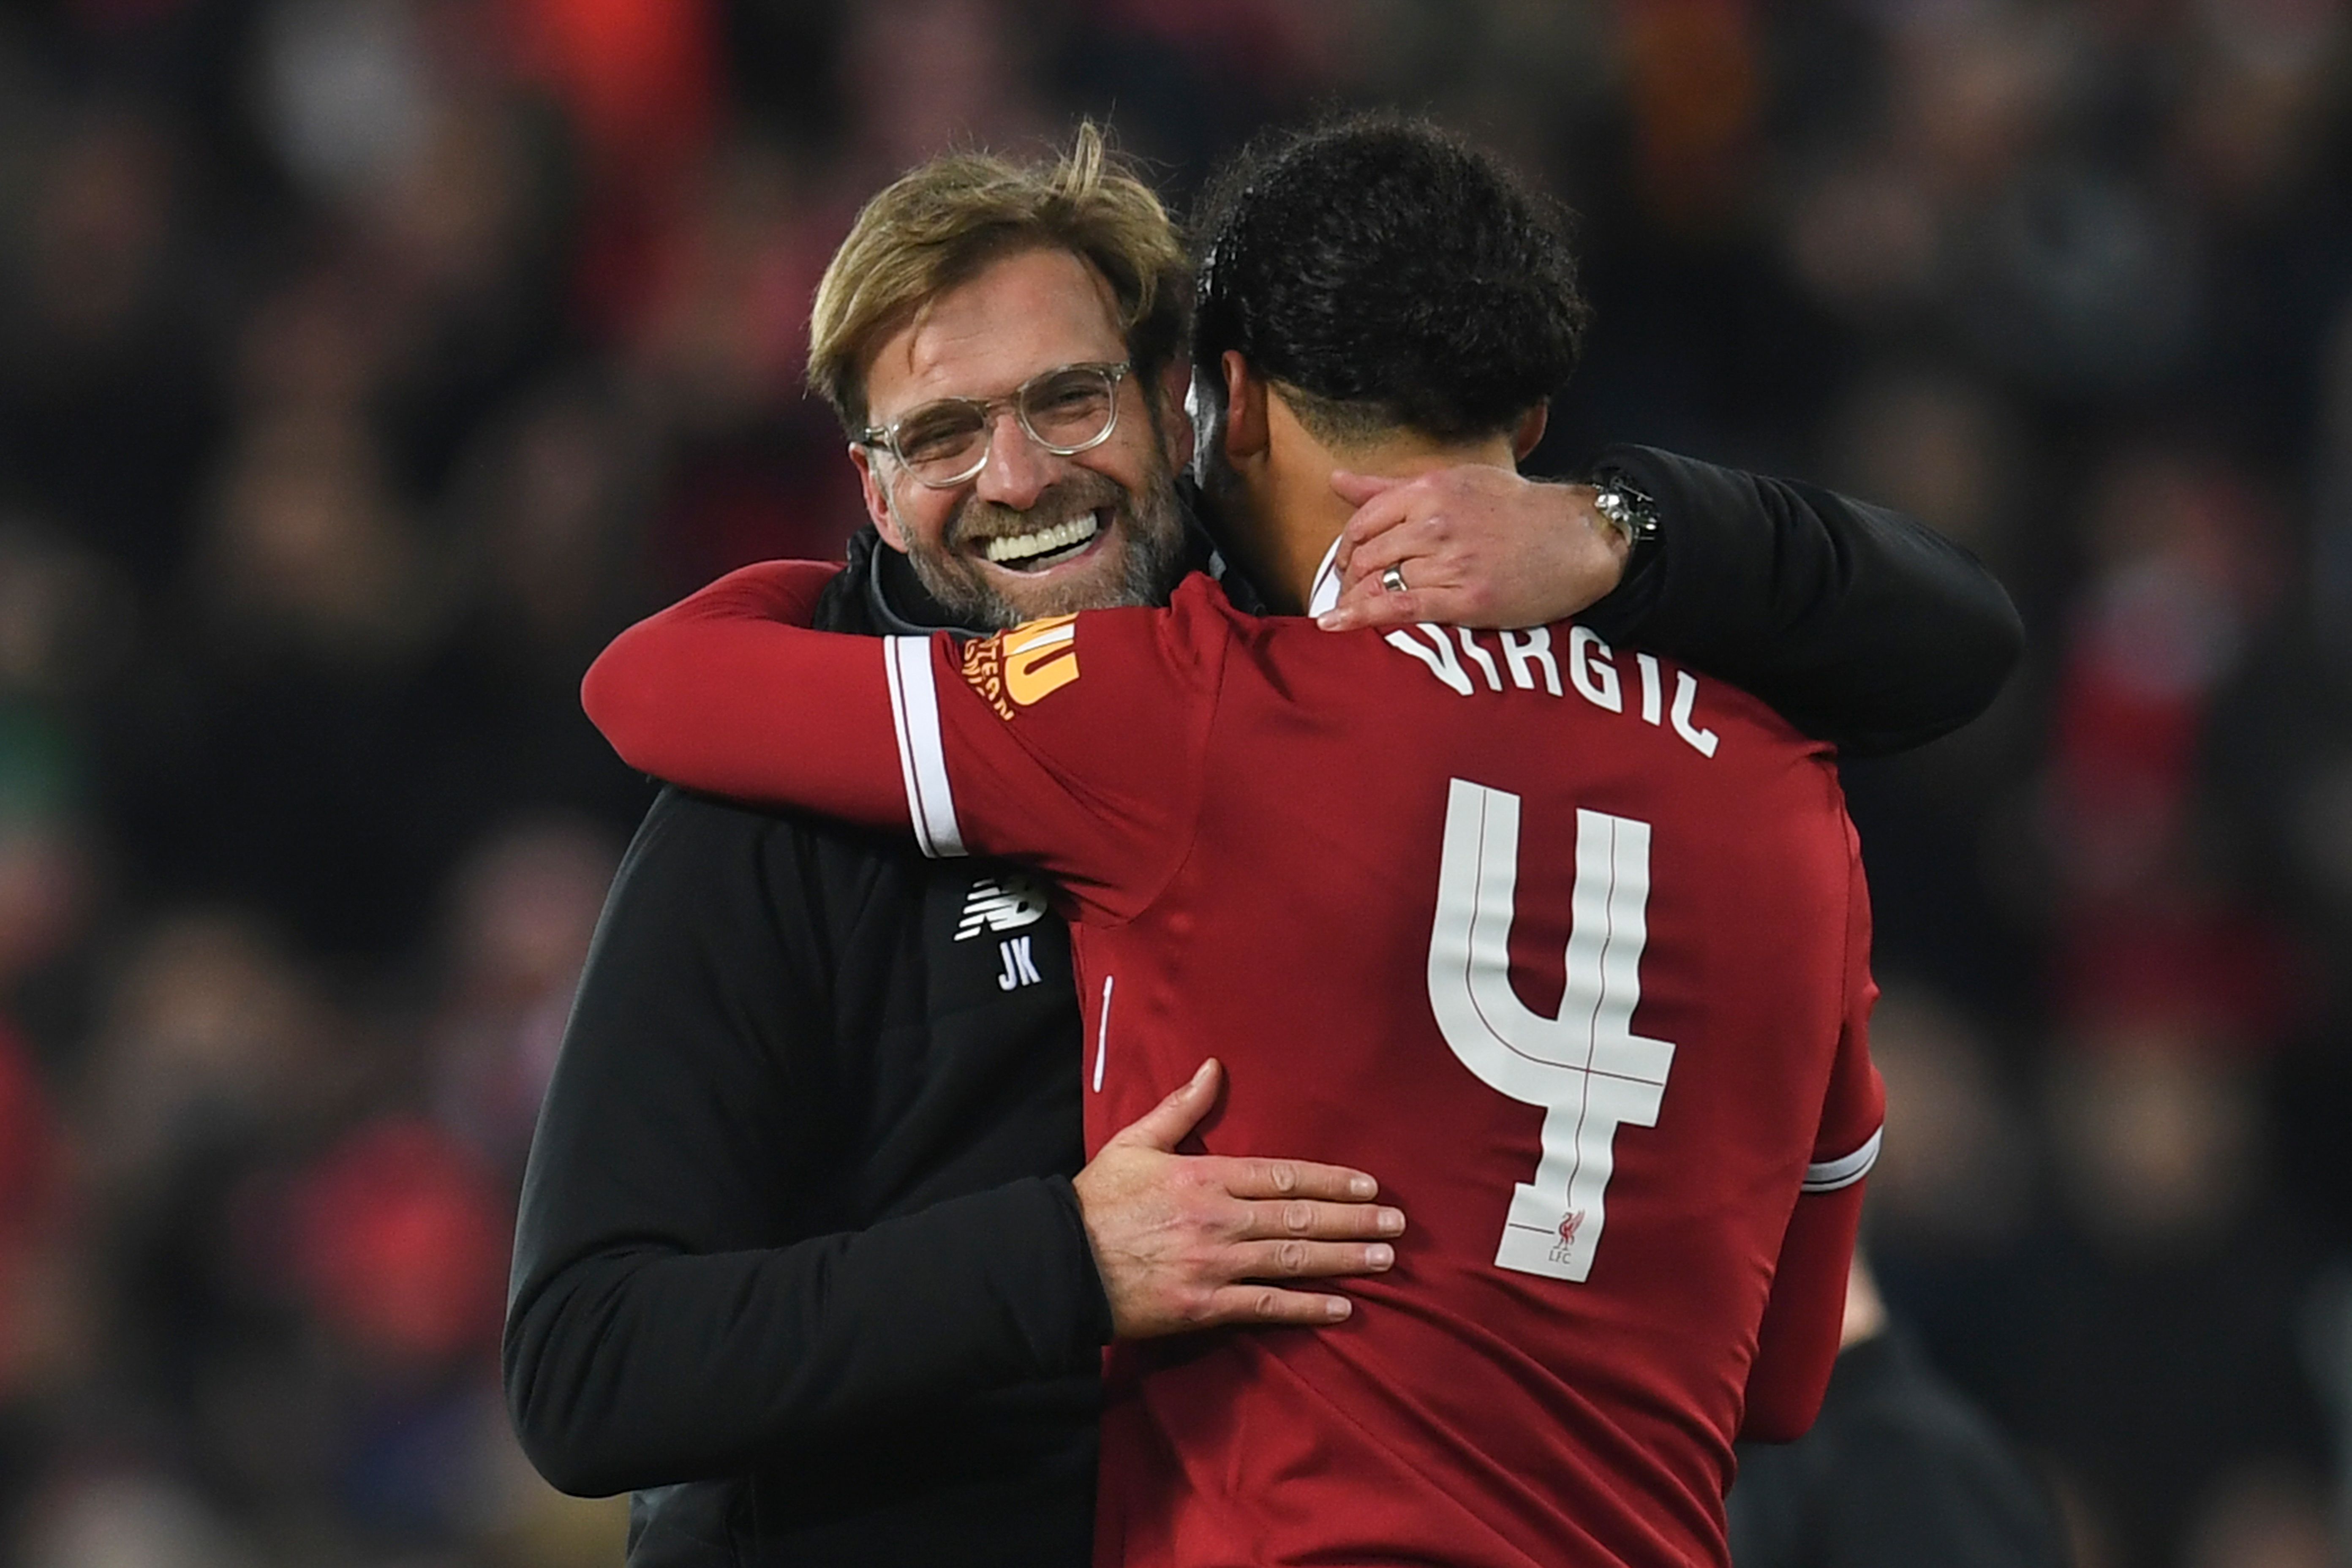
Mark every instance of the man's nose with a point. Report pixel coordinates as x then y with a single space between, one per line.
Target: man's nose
1018 469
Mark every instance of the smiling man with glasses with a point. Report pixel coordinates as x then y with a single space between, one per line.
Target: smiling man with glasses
967 486
1015 432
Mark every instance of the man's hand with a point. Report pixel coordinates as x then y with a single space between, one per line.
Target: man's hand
1188 1241
1477 546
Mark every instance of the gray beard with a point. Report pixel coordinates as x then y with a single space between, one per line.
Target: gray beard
1151 562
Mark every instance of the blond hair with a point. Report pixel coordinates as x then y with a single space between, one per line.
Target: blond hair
937 225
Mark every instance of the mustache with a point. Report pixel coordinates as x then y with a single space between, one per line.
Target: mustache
979 521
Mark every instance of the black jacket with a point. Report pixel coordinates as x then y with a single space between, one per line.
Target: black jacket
1899 1472
799 1259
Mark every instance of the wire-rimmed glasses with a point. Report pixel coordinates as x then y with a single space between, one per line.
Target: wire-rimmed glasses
1069 409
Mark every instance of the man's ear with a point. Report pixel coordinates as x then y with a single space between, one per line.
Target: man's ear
1531 431
877 498
1173 419
1246 427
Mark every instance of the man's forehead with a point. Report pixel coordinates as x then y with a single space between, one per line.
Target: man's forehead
1020 314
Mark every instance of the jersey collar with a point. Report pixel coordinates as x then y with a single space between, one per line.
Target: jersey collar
1325 595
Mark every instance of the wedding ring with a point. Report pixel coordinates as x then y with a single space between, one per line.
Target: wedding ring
1393 579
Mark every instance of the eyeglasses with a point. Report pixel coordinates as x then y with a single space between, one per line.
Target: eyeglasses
1067 410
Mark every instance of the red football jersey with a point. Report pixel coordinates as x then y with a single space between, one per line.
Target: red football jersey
1568 945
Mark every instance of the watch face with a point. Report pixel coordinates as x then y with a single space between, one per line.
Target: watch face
1628 510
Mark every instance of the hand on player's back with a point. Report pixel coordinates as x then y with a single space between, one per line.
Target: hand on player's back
1477 546
1190 1241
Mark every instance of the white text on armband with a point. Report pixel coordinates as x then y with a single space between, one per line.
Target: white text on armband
1463 660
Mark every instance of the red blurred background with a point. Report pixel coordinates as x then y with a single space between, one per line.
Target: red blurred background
365 363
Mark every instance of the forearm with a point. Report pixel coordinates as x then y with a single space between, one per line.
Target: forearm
633 1365
723 693
1858 625
1797 1345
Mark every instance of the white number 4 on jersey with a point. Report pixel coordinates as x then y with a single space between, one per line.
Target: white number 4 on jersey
1587 1067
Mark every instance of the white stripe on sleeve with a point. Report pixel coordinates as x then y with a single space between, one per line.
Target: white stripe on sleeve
922 759
1829 1175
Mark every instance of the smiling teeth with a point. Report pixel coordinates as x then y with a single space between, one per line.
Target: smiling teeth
1061 536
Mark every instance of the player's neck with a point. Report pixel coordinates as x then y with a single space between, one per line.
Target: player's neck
1297 512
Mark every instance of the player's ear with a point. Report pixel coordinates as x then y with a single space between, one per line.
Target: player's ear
878 498
1174 415
1531 431
1246 427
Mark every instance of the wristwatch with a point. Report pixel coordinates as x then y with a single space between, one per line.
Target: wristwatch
1626 508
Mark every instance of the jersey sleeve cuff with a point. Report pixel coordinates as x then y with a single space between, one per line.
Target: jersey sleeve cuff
922 754
1829 1175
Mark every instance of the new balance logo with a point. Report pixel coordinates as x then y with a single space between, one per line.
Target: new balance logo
1000 904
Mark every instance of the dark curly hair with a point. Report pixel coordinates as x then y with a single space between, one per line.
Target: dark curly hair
1386 274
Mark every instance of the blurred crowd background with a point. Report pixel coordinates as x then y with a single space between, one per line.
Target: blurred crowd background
365 363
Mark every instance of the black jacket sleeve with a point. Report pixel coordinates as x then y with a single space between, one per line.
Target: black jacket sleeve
678 1306
1859 625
